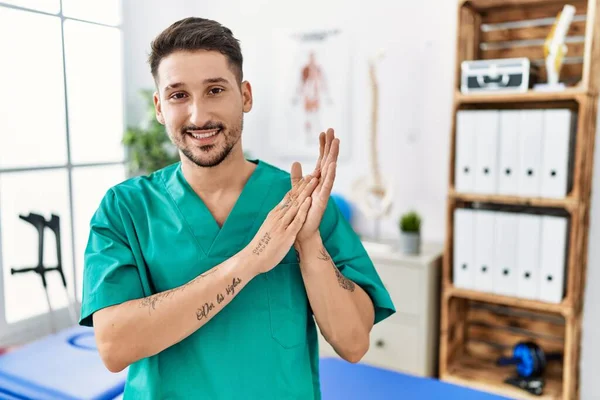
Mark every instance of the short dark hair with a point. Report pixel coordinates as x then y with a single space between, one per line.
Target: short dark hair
195 33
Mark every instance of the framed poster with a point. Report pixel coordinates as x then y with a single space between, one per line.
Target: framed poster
310 92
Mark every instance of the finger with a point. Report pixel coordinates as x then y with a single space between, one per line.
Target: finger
332 157
288 209
293 193
290 213
308 189
296 173
317 171
300 217
297 190
328 139
328 182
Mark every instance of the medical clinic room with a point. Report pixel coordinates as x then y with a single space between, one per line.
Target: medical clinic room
299 200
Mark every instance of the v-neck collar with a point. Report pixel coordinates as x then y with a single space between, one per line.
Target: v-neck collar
228 239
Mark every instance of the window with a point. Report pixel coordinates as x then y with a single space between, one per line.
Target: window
60 141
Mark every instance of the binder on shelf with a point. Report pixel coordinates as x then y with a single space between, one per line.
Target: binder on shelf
508 165
531 123
463 264
484 251
553 258
505 249
556 153
529 230
464 169
486 151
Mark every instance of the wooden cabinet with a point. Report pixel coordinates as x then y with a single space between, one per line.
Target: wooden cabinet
477 327
406 341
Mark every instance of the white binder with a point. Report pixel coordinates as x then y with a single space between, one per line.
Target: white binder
484 250
531 127
464 248
553 258
486 151
556 151
505 265
508 166
464 168
529 230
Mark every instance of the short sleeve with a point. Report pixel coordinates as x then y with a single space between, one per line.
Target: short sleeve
110 274
351 258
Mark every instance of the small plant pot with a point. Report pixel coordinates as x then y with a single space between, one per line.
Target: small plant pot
410 242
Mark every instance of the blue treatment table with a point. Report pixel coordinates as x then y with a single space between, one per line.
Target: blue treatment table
341 380
62 366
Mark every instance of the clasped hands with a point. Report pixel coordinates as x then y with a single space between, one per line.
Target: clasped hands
296 219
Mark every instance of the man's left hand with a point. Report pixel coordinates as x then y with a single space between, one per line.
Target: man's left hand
325 170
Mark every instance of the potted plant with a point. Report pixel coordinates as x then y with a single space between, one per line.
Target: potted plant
148 145
410 233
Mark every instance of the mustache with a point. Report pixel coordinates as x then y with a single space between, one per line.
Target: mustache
206 127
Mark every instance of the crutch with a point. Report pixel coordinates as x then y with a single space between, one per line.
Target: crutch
54 225
39 222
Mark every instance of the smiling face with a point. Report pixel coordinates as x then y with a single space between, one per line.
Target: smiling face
201 104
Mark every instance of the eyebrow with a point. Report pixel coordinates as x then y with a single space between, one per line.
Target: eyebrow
206 81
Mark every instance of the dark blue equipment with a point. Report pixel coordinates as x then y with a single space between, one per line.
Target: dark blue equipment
529 358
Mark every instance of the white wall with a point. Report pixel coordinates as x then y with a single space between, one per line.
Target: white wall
590 354
415 85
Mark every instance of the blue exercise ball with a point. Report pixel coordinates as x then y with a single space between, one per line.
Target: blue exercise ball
343 205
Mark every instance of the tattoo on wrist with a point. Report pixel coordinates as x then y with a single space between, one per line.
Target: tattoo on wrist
262 244
344 282
204 311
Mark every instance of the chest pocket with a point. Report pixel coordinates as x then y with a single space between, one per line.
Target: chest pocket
288 303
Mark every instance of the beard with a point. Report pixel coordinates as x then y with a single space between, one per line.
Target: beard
213 154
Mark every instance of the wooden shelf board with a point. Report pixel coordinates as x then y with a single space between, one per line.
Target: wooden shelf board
486 376
567 203
574 94
560 308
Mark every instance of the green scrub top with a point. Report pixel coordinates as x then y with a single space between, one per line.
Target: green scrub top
153 233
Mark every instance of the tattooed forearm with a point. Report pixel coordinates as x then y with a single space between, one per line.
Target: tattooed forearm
205 310
202 313
231 288
344 282
323 255
262 244
152 301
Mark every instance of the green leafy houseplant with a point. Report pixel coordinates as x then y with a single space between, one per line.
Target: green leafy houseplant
410 222
410 232
148 145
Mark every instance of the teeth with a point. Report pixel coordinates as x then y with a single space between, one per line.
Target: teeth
203 135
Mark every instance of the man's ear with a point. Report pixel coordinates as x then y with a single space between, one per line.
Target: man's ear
158 108
246 96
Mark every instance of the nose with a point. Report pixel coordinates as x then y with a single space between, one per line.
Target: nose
199 113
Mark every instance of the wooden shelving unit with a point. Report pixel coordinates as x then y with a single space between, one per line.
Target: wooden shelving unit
477 327
533 305
571 94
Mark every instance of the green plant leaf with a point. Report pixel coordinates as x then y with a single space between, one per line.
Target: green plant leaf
148 145
410 222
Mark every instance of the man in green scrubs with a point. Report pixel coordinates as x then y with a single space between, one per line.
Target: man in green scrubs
208 278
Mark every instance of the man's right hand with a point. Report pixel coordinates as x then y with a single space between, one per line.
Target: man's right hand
278 232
